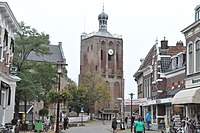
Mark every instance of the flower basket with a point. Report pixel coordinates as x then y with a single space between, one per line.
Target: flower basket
58 96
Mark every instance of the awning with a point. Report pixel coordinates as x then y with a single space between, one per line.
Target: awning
187 96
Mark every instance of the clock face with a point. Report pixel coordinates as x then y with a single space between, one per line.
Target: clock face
110 51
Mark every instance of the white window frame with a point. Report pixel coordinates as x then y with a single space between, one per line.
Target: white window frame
190 65
180 60
155 71
197 56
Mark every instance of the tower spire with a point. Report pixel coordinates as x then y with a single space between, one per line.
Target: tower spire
103 6
103 17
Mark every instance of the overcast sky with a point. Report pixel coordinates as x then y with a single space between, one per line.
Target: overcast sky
139 22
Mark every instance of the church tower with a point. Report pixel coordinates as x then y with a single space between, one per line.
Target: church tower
103 52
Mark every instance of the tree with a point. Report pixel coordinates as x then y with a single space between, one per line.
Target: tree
78 96
27 41
45 75
96 90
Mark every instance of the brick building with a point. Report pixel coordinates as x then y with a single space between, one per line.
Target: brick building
102 52
190 98
159 77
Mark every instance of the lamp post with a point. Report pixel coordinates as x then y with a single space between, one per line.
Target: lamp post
131 94
60 66
82 111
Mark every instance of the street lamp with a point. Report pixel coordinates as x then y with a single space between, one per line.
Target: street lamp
82 111
131 94
60 66
120 104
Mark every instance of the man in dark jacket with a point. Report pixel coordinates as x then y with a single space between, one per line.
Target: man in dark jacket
114 124
65 123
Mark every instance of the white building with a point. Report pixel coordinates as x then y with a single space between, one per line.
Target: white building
8 27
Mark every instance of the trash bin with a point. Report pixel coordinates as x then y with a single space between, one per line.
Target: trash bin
122 126
38 126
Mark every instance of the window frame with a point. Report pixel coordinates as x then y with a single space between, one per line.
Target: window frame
190 59
197 50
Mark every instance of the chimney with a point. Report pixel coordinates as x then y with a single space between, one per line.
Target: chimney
59 43
179 43
164 44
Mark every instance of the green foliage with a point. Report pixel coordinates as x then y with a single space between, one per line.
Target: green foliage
27 41
58 96
43 112
45 76
95 89
78 97
36 78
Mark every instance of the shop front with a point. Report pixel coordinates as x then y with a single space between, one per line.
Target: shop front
160 109
190 101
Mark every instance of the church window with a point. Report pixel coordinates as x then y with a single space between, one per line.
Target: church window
91 47
116 90
101 54
117 59
109 58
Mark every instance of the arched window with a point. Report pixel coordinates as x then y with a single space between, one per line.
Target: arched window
111 58
190 62
103 54
116 90
198 56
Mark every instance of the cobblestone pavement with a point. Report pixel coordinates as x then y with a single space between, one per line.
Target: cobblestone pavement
98 127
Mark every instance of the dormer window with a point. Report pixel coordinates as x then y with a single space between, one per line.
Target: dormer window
174 62
197 13
180 60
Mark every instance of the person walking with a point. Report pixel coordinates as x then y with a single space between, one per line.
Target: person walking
66 122
139 125
114 125
148 120
126 121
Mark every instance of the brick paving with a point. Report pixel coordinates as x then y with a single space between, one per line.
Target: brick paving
95 126
98 127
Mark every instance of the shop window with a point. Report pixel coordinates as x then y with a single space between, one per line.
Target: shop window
154 113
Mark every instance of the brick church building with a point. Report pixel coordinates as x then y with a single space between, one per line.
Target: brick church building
102 52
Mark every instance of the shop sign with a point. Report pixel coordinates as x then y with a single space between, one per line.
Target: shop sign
158 101
195 81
